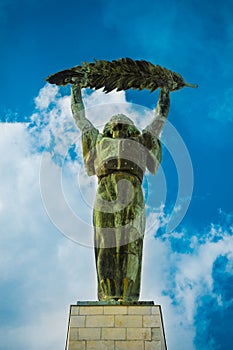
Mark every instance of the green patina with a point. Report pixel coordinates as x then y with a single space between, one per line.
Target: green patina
119 157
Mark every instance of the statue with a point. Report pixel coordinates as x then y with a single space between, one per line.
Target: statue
119 157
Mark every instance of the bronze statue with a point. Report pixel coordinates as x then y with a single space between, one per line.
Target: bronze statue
119 157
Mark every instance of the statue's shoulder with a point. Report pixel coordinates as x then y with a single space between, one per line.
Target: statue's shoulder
149 140
100 137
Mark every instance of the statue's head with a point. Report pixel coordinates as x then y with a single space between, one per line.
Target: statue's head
120 126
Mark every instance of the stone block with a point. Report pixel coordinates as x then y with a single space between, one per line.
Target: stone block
115 310
156 310
73 335
156 333
151 321
100 321
138 334
77 321
153 345
91 310
74 310
129 345
128 321
113 333
89 333
77 345
100 345
140 310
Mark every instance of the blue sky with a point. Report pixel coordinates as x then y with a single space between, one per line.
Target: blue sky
46 197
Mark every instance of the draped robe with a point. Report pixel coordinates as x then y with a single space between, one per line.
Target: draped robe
119 210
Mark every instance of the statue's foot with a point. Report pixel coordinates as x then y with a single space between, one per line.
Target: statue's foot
110 298
127 300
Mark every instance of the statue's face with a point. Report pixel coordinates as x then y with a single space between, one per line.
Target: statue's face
120 131
120 126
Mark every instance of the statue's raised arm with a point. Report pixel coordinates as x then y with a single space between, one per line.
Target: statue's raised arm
89 132
78 108
161 113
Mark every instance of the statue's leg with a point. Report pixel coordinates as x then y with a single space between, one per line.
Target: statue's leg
118 240
130 267
136 286
105 253
105 242
131 244
106 265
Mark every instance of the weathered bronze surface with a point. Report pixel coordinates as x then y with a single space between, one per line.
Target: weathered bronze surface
119 156
121 74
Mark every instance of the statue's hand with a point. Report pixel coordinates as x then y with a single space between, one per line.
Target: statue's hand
173 85
76 81
165 89
172 81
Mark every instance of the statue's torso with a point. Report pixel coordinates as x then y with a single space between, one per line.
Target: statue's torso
105 155
120 155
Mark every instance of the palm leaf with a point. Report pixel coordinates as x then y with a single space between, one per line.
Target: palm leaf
121 74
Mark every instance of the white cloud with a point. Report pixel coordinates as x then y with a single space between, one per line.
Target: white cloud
46 96
41 271
180 280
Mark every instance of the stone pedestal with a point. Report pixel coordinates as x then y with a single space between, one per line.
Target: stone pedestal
117 326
